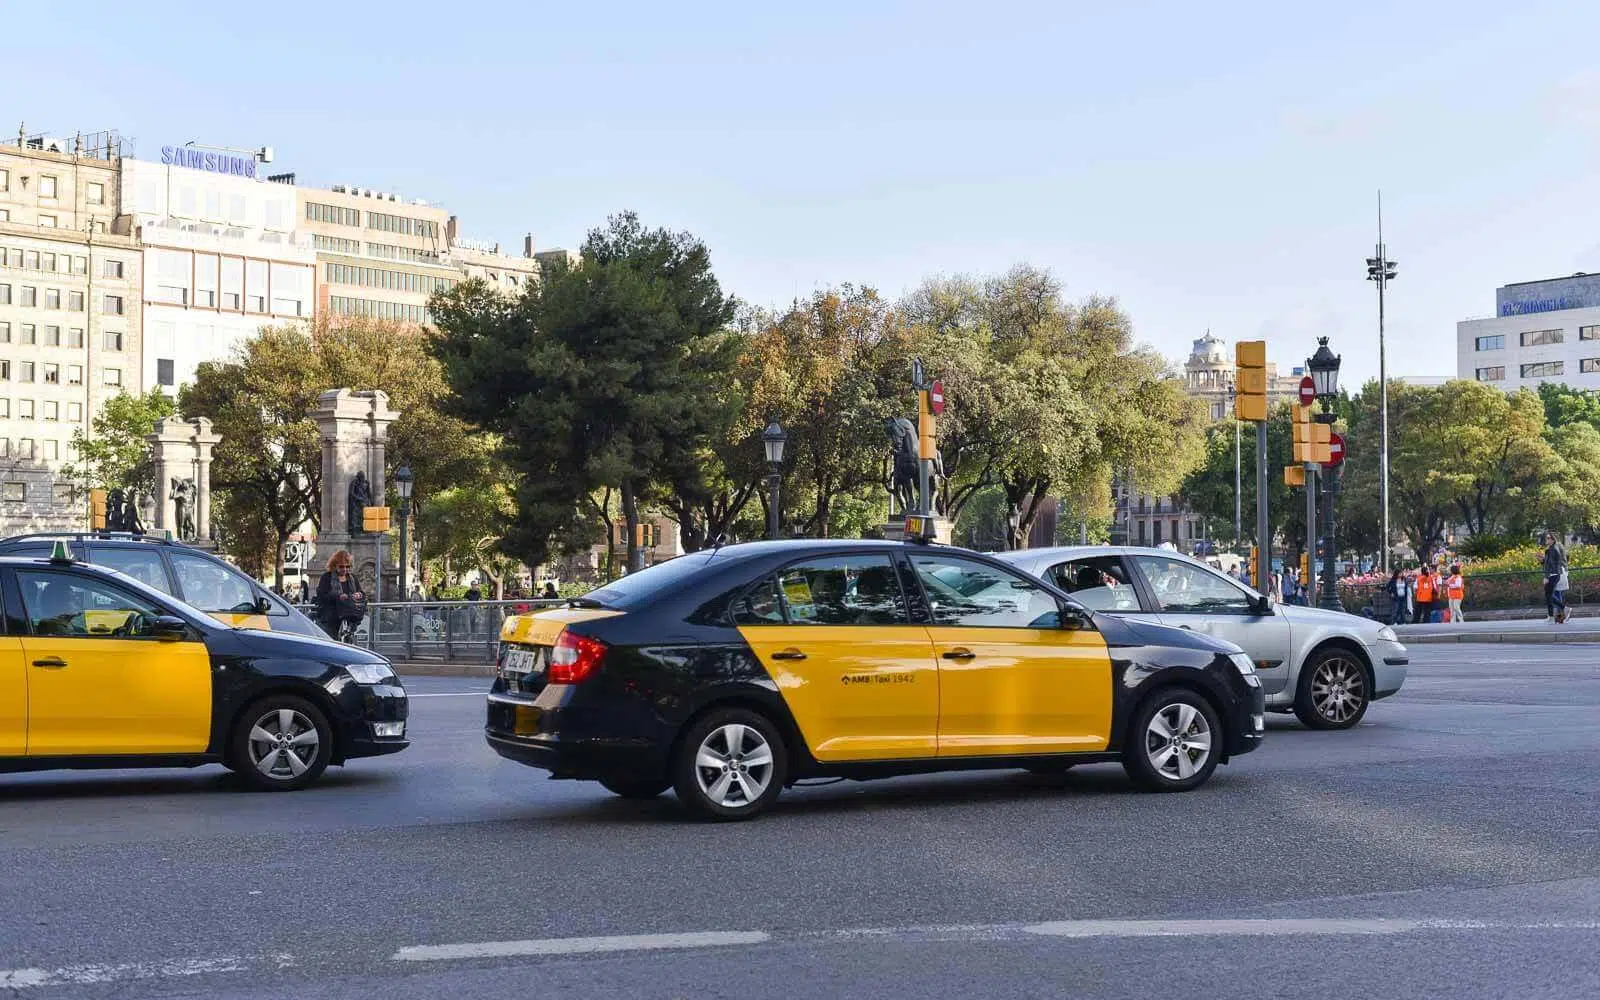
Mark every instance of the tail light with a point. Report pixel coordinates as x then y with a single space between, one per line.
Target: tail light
574 657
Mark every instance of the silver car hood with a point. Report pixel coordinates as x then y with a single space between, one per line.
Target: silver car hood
1323 618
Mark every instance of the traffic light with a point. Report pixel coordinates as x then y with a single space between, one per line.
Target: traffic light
646 536
97 510
1301 416
1305 566
1250 380
375 519
1294 475
1321 443
1254 562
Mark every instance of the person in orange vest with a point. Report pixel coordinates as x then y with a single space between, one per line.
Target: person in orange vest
1424 600
1455 588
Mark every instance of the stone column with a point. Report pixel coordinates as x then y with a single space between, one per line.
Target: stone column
172 449
354 426
205 439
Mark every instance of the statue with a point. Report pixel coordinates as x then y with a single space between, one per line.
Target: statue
130 514
114 507
904 468
183 509
360 497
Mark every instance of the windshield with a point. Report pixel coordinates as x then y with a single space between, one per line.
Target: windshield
636 588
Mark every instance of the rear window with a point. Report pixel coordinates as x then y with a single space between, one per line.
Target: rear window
635 588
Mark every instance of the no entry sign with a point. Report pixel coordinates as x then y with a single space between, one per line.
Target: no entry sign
1308 391
1335 450
936 397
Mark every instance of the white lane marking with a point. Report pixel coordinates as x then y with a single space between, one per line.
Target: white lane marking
86 975
578 945
1281 927
449 694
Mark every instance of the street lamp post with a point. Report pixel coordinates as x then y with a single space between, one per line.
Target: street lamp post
1381 271
773 439
403 483
1238 471
1324 368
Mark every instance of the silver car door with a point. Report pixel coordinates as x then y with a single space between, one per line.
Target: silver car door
1195 597
1101 583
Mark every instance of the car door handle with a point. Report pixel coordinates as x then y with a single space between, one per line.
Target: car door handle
50 663
959 654
788 654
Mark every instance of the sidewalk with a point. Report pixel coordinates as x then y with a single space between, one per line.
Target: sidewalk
1534 631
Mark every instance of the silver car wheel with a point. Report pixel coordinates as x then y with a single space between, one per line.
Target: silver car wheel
1178 741
283 744
733 765
1338 689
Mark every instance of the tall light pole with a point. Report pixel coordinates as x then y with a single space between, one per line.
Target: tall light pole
403 484
1324 369
1381 270
773 439
1238 470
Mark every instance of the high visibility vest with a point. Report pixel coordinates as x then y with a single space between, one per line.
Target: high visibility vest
1456 587
1425 588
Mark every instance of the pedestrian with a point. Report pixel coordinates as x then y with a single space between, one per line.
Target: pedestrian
1400 598
1423 595
1555 579
550 592
1455 589
474 594
341 603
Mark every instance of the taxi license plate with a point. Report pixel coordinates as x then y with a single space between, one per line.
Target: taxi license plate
523 661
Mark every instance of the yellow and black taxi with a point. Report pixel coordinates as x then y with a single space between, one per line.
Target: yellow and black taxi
731 673
191 574
99 670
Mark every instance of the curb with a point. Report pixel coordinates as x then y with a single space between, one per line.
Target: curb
1524 638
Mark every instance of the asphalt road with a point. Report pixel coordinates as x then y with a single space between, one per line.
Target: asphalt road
1449 846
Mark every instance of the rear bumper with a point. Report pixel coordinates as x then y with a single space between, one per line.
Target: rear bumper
528 733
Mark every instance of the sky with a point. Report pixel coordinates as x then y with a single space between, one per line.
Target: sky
1212 166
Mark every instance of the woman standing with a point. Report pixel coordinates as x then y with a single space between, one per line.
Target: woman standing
341 604
1455 589
1399 598
1424 595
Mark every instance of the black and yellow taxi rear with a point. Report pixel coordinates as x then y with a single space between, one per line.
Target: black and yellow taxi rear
728 675
98 670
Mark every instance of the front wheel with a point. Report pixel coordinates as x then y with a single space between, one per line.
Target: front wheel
635 788
1173 742
1333 692
730 765
280 744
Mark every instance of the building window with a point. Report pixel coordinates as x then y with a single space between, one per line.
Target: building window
74 375
1542 369
25 373
47 262
336 244
316 212
47 221
29 334
80 265
176 294
1588 366
13 492
5 375
30 296
1589 333
5 410
25 409
25 449
63 495
95 194
52 336
5 295
111 269
112 305
164 371
75 412
75 302
5 333
47 186
52 409
113 340
1536 338
52 373
33 260
52 298
5 180
75 337
113 376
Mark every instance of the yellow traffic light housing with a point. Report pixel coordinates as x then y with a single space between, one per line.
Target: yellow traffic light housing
1294 475
1250 380
97 510
375 519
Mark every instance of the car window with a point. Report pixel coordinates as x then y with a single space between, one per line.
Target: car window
1185 588
143 564
843 590
64 604
977 594
761 606
638 587
1100 583
213 586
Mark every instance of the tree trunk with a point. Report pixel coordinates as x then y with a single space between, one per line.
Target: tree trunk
630 517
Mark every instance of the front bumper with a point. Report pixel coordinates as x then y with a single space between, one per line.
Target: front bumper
361 705
531 732
1252 725
1389 664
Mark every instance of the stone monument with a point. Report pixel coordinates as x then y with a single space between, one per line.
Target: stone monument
354 425
182 452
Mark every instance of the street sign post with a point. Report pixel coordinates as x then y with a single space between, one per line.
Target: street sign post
1335 450
1308 391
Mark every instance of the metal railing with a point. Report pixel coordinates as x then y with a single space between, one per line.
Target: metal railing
437 631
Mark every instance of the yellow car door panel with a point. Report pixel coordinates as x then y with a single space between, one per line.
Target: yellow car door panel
13 698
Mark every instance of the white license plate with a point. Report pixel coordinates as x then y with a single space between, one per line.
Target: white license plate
523 661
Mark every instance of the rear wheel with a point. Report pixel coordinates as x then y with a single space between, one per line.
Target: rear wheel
1173 742
730 765
280 743
1333 692
636 788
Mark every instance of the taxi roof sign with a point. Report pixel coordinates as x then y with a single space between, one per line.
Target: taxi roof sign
922 528
60 552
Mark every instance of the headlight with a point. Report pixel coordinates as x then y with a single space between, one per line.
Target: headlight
369 673
1246 666
1387 634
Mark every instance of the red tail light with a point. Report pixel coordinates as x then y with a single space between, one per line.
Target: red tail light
574 657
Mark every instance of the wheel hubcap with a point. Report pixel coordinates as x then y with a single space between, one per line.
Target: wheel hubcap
283 744
733 765
1338 689
1178 741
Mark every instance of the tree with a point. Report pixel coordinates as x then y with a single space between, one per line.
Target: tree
466 524
1565 405
608 373
1209 488
1492 455
115 454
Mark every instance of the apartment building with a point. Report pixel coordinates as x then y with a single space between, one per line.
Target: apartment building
69 323
475 259
377 254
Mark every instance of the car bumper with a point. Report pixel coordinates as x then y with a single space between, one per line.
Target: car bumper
1389 664
1252 725
530 733
370 714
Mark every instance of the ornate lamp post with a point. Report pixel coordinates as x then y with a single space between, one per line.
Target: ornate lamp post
773 439
1324 369
402 485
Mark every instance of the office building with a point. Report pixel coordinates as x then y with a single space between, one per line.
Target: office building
378 255
1542 331
69 316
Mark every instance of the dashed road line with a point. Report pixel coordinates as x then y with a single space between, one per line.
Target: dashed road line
578 945
88 975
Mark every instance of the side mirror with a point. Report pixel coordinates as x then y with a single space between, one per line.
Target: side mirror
263 606
169 627
1075 620
1263 605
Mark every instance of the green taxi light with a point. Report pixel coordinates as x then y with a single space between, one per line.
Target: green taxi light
60 552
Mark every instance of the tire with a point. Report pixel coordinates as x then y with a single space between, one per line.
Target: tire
1173 742
635 788
1334 690
266 764
741 789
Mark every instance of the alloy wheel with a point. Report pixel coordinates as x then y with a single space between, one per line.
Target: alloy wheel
733 765
1178 741
283 744
1338 689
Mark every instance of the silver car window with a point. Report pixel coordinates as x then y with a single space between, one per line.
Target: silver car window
1183 587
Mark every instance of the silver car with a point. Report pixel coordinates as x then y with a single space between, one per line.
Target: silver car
1325 666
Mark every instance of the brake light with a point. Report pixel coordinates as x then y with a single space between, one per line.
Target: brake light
574 657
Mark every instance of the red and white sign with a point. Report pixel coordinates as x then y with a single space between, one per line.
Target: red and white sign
1308 391
936 397
1335 450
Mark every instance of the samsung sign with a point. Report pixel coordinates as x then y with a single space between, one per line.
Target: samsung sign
1580 291
216 163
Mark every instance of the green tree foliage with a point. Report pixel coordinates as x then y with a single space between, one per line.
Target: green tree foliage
1209 488
464 524
611 372
115 455
1565 405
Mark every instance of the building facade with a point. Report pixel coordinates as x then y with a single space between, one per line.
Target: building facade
377 254
1542 331
70 332
1210 372
222 259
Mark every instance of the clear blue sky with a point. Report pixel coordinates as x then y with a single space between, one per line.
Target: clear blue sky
1212 165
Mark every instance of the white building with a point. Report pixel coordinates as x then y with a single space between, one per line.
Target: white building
221 260
1543 331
